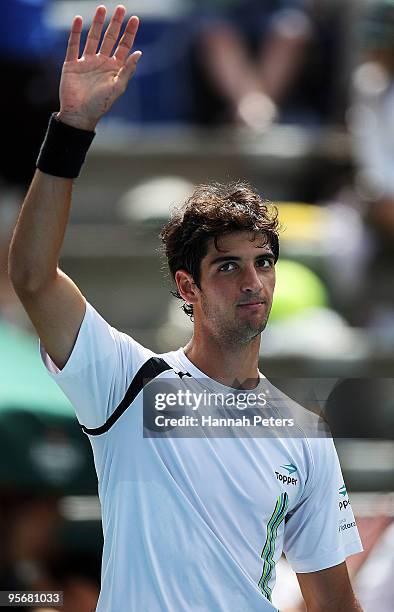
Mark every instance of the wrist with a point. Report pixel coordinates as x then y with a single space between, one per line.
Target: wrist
77 121
64 148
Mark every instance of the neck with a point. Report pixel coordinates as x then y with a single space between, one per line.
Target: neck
225 364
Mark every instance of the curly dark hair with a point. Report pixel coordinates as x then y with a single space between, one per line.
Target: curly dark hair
214 210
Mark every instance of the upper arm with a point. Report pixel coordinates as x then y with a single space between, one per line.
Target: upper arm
328 589
99 370
56 311
321 530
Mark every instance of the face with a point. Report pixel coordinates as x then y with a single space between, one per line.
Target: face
237 284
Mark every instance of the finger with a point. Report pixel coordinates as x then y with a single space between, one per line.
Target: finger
112 32
74 39
128 69
127 40
94 34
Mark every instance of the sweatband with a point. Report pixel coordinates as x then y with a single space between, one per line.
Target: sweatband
64 149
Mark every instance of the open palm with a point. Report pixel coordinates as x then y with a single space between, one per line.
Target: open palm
90 84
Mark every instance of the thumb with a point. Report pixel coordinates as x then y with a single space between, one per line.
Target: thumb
128 69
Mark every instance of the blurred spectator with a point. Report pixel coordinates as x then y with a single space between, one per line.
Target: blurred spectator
258 62
372 116
251 52
374 584
40 552
28 524
372 125
30 89
77 574
348 408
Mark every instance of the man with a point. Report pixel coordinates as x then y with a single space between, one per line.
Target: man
191 522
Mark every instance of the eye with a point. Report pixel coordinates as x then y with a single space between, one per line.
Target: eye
265 262
226 267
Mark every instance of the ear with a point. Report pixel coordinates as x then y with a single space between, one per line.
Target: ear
186 286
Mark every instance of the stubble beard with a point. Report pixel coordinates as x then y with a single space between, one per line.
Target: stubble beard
230 333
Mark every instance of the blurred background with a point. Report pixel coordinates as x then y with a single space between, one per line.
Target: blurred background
296 96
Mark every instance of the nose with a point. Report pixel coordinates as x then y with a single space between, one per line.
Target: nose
251 280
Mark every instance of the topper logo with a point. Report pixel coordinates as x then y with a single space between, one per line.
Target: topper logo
286 479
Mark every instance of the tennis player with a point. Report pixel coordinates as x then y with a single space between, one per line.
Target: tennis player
193 519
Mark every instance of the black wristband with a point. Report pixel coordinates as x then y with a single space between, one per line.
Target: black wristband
64 149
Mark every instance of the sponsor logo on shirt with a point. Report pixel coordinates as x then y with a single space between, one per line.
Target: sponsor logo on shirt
344 503
342 525
287 479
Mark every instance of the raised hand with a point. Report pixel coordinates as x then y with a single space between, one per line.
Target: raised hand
90 84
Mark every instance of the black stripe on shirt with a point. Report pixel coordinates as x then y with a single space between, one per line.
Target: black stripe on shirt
147 372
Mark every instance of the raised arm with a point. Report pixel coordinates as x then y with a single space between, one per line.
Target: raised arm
89 86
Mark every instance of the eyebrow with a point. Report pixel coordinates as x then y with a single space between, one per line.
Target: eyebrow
224 258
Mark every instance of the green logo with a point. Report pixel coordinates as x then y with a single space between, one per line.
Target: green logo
342 490
290 468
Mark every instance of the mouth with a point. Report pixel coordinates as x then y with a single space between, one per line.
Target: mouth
252 306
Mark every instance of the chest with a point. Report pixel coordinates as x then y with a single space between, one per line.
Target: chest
237 481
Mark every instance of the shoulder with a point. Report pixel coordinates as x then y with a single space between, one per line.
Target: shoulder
307 422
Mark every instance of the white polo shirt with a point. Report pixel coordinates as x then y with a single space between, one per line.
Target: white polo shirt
196 522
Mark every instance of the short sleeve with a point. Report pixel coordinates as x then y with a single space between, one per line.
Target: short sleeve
321 531
99 369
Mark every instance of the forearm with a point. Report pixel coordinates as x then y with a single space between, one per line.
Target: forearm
39 232
88 88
